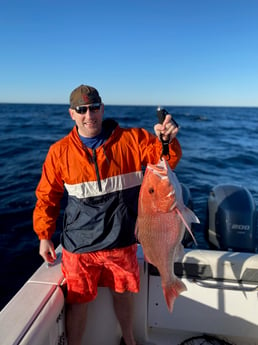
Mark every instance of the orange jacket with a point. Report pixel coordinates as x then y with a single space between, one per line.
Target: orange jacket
102 187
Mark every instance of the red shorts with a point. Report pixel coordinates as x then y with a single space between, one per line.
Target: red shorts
117 269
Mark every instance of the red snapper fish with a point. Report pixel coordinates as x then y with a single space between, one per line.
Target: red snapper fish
162 219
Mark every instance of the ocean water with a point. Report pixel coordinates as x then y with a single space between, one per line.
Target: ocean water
220 146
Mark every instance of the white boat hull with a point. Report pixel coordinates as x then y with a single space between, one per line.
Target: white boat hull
221 299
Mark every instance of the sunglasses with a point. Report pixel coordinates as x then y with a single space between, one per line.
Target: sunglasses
84 108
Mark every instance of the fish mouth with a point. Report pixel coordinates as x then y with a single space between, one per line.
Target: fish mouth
160 170
160 173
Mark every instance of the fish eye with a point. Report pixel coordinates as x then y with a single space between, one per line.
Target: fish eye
151 190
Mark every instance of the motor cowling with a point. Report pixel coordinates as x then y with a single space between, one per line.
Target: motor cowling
232 219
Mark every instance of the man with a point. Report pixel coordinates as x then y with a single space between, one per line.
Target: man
100 166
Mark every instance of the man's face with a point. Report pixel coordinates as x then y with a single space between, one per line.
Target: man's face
88 119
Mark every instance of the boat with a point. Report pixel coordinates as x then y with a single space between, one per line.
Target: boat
219 307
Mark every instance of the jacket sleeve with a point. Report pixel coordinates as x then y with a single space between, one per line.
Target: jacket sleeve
151 149
49 193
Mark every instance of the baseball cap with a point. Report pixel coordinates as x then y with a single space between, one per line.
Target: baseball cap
84 94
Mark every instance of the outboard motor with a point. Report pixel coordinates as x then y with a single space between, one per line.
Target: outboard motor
232 223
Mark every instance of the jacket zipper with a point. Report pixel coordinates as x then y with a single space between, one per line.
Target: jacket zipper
94 157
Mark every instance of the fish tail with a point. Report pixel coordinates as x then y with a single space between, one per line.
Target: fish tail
188 217
172 291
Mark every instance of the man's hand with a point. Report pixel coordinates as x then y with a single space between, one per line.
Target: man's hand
47 251
167 129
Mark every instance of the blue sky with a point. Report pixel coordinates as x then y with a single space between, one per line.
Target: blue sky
149 52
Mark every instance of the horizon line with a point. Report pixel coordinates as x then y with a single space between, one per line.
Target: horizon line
136 105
